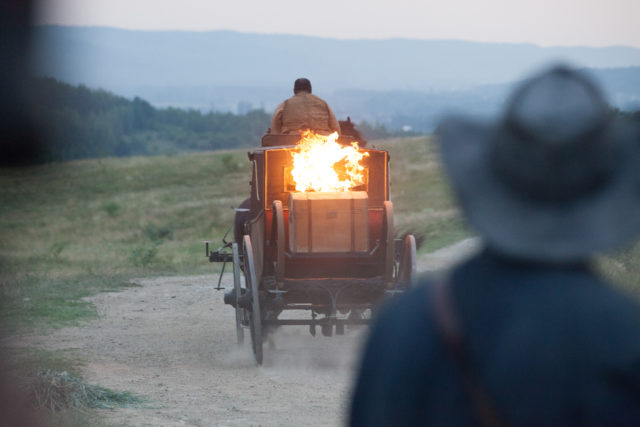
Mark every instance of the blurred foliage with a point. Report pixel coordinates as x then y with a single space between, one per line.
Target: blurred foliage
633 115
623 268
77 122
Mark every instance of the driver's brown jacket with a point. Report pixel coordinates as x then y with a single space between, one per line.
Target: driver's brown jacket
304 111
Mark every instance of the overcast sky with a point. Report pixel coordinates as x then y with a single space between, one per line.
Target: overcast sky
542 22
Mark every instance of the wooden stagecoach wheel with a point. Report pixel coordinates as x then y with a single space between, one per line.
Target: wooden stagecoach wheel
252 286
407 270
277 240
237 285
387 236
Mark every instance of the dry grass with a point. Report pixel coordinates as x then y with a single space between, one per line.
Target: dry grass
72 229
50 398
59 391
89 216
422 198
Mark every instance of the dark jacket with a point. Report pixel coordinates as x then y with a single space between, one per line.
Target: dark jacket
552 345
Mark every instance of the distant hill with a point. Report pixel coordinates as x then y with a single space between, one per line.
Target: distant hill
397 82
421 111
123 59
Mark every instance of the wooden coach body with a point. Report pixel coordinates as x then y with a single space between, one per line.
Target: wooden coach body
271 180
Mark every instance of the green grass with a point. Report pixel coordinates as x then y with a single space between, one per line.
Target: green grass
118 216
422 199
72 229
69 230
33 302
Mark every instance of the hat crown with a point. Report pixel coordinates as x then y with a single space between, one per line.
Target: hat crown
557 107
551 145
555 179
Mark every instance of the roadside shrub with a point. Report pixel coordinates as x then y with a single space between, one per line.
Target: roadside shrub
229 163
157 233
143 256
111 208
58 391
54 251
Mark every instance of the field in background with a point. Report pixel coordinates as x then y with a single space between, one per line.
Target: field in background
422 200
72 229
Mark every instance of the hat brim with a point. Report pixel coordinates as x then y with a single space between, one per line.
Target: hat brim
515 224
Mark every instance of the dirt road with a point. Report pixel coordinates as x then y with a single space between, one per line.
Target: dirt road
173 341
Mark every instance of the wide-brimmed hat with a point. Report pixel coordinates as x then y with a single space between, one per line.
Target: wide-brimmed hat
556 178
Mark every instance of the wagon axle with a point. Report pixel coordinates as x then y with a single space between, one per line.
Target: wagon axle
233 299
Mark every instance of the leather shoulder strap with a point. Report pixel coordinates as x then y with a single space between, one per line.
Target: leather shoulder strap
447 322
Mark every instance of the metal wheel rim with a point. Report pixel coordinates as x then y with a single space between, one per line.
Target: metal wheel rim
238 289
254 314
389 261
278 227
408 268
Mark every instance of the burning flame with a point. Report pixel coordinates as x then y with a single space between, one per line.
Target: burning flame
320 163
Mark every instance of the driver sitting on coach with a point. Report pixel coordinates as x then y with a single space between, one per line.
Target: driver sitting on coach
303 111
300 112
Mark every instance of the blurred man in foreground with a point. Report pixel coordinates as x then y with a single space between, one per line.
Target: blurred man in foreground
303 111
524 333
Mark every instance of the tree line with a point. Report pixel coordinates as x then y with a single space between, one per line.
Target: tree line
75 122
78 122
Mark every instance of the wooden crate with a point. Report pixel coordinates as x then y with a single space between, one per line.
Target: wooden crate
328 222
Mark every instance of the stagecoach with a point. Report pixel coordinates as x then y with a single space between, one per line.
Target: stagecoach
329 256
